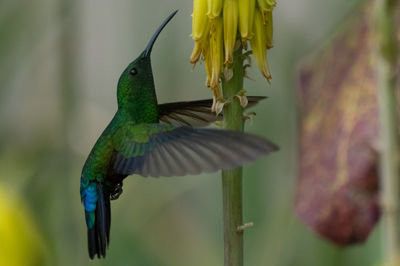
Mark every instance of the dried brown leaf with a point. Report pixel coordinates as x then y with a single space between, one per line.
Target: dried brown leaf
337 192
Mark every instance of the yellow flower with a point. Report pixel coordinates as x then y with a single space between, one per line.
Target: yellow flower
200 47
20 242
200 19
246 15
214 8
269 30
231 14
215 55
215 27
259 45
265 7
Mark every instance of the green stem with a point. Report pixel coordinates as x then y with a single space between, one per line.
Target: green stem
232 179
388 113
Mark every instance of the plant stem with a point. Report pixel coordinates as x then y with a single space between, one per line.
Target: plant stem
232 179
387 93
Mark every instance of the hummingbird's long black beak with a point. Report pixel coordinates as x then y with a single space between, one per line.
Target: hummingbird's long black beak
149 46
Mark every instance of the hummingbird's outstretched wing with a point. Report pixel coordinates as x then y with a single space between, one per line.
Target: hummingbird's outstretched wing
165 150
194 113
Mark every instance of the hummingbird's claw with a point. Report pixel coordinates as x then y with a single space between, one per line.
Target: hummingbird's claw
117 192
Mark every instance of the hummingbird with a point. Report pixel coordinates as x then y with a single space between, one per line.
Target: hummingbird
151 139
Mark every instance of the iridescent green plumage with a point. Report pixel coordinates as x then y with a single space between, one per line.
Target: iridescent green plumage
155 140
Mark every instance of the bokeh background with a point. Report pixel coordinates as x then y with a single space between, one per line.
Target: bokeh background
59 65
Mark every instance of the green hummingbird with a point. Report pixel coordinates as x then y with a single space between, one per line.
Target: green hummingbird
151 139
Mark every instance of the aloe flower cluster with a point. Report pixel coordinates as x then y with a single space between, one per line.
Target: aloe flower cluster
216 24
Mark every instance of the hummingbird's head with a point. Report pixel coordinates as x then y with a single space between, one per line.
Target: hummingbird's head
137 78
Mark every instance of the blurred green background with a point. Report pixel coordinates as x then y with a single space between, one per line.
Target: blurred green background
59 65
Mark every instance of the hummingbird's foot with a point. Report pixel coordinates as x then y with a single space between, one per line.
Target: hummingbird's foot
117 192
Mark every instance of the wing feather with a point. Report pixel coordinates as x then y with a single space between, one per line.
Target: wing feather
178 151
194 113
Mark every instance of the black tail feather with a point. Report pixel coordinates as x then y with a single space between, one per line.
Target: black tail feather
108 218
99 234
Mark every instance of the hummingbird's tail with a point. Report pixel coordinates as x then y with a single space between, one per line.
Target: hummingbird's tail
99 222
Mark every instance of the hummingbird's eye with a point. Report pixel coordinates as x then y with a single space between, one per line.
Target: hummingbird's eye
133 71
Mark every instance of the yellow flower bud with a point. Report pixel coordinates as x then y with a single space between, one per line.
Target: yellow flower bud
214 8
200 47
216 52
265 7
196 53
230 18
200 19
246 15
262 5
269 31
215 27
208 66
270 4
258 45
